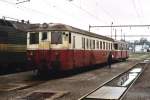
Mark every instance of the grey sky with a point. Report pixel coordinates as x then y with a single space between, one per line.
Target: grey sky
81 13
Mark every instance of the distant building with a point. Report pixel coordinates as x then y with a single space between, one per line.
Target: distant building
141 48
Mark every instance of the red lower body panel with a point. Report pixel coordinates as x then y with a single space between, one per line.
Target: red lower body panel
70 59
120 55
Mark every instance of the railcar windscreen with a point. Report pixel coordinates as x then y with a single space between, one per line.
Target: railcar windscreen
56 37
34 38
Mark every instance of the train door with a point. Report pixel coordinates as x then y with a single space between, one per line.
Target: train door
73 48
44 44
116 51
83 51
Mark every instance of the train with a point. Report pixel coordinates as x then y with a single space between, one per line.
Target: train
60 47
13 45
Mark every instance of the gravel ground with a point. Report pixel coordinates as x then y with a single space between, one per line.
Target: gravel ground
71 87
141 89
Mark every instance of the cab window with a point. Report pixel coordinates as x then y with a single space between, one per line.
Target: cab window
34 38
56 37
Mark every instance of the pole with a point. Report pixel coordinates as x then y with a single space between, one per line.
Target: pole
121 34
111 29
89 28
124 36
115 34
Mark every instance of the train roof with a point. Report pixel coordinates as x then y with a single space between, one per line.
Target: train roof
63 27
120 42
14 26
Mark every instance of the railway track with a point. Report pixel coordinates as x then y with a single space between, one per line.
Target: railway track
20 81
118 86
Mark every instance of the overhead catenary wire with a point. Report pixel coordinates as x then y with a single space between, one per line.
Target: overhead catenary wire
89 13
129 35
141 7
28 9
106 12
60 10
22 1
136 11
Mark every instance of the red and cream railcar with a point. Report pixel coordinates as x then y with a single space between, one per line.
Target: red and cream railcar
120 51
62 47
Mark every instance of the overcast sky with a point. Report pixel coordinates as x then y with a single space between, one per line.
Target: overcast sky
82 13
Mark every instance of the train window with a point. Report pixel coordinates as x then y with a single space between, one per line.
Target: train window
34 38
74 42
44 35
83 43
93 44
116 46
56 37
97 44
111 46
100 44
69 37
87 43
104 45
90 44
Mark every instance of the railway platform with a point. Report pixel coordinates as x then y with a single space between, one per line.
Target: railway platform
141 89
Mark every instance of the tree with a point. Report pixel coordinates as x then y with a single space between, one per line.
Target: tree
143 41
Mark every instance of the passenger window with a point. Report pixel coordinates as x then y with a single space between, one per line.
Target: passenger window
87 43
116 46
69 37
104 45
74 42
93 44
34 38
100 44
97 44
44 35
83 43
90 44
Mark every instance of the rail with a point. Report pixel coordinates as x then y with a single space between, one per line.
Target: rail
117 87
